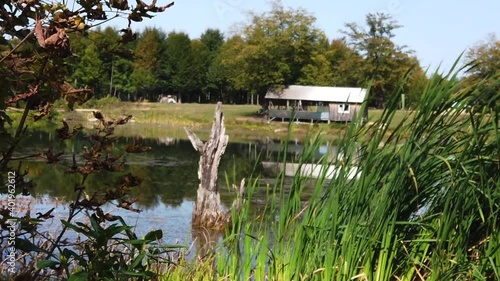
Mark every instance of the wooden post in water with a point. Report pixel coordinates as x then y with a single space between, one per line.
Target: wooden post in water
208 212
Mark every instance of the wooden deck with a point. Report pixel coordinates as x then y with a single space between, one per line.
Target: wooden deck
299 115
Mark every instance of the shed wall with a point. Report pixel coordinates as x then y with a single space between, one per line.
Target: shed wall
336 115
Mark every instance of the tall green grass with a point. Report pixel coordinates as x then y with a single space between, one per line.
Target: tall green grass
424 206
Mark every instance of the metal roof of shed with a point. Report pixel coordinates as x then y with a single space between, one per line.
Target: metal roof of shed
319 93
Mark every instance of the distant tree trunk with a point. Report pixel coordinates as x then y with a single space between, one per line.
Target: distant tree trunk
208 211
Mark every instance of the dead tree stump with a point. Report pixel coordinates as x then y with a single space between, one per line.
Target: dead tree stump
208 211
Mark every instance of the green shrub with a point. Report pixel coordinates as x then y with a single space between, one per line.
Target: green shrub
105 102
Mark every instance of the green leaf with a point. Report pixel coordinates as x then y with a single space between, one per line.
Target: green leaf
154 235
113 230
137 260
67 253
131 273
46 263
27 246
172 247
135 242
79 276
85 232
95 224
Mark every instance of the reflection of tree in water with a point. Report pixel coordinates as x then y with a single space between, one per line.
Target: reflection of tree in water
51 180
168 173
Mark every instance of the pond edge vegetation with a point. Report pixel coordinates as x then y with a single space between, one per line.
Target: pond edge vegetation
424 205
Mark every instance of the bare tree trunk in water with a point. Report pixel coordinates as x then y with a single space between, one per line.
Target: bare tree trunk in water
208 211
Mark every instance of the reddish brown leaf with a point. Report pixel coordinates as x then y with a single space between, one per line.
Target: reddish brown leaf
128 35
85 170
136 148
127 205
123 120
90 204
51 157
119 4
55 39
98 115
31 92
46 215
97 14
18 65
39 33
64 133
113 194
135 17
72 95
44 109
110 217
163 8
128 180
5 211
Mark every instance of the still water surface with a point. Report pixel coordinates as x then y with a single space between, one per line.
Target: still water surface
168 173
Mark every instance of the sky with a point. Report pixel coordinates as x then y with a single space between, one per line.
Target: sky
438 31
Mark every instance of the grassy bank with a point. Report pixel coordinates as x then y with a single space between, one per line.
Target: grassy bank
191 114
241 120
153 119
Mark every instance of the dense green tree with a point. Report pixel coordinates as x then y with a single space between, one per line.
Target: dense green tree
384 62
123 85
178 66
317 72
108 43
80 43
147 64
213 39
484 73
415 83
344 63
89 69
113 56
278 45
218 83
485 58
201 59
227 70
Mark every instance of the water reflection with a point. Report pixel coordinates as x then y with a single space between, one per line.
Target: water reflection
168 172
169 179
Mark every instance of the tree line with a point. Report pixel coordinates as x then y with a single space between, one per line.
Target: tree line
279 47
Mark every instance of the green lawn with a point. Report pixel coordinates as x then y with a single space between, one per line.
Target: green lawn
174 114
240 120
201 114
399 116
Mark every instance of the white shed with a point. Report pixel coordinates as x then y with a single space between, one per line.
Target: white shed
327 103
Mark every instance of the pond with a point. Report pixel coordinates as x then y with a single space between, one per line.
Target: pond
168 174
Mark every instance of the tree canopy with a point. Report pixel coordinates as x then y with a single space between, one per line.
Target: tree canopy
384 62
282 46
484 71
276 48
